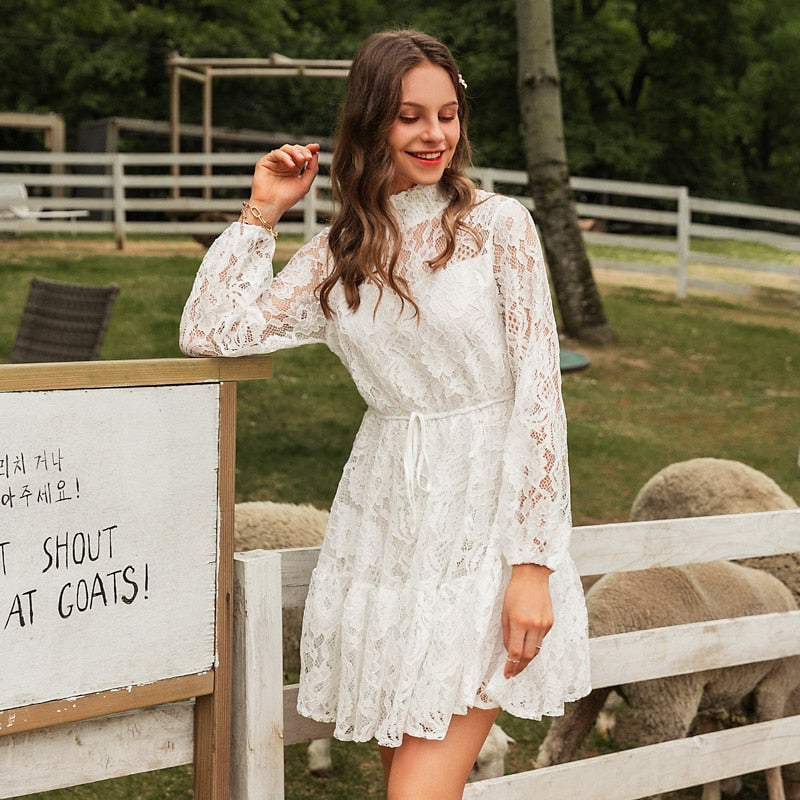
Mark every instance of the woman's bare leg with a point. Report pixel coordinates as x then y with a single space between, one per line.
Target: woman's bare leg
425 769
386 761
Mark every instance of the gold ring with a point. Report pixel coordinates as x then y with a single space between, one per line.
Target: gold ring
512 661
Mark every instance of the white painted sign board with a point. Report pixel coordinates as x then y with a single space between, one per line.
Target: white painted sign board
108 538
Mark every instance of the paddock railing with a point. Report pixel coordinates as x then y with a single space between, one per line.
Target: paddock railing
265 720
646 228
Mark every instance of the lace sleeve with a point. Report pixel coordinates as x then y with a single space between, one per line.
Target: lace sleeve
534 505
237 308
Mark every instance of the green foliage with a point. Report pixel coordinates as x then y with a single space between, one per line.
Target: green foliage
683 93
103 58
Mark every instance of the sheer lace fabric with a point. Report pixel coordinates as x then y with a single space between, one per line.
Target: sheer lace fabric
458 471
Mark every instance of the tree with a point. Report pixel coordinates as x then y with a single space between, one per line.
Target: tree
578 299
683 93
101 58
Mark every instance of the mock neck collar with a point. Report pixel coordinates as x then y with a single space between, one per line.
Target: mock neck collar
418 203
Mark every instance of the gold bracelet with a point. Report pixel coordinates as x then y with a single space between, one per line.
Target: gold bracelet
256 214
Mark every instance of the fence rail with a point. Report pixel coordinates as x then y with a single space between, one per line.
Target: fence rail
265 718
197 194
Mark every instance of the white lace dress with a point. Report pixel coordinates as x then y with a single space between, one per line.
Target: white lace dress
458 471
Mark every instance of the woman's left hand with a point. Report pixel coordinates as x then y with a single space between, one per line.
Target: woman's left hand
527 615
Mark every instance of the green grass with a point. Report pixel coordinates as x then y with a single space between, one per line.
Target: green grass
687 379
152 293
750 250
165 784
755 251
701 377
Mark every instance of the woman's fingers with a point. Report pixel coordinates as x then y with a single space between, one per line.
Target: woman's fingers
527 616
282 177
291 160
522 646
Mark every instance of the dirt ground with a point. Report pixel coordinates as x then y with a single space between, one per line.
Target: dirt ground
77 246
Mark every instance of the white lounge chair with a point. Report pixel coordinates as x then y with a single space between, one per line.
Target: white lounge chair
14 204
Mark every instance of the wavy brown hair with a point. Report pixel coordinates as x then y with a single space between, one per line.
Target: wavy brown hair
364 237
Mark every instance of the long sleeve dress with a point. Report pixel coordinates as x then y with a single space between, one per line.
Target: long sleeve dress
458 471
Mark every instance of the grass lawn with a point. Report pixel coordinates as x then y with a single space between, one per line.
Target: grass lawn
706 376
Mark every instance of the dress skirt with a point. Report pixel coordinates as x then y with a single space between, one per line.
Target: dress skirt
402 627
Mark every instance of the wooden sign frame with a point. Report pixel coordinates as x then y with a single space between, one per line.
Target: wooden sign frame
211 688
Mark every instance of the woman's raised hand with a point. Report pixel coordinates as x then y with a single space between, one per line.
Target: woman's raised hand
282 177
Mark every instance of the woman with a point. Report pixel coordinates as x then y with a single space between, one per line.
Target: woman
444 590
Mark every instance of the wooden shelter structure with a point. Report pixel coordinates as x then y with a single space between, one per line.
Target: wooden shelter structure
204 70
52 125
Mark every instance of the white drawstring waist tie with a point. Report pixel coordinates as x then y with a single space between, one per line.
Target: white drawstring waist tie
415 456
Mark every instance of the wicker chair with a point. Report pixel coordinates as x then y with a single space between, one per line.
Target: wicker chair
63 322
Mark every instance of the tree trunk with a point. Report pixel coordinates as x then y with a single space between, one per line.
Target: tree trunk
539 89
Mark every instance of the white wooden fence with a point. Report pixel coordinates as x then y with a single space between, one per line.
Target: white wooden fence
265 719
162 193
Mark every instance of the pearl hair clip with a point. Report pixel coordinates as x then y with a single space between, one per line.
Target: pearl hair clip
462 81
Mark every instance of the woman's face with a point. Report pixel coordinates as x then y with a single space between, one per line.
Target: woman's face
424 136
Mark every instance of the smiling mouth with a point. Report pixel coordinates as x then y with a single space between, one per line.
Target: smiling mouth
427 158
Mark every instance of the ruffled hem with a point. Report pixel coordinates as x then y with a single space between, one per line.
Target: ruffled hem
442 664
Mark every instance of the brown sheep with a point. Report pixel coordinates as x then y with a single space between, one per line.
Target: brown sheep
264 525
665 708
699 487
709 486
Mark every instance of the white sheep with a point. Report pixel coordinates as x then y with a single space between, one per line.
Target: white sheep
702 486
491 761
709 486
665 708
264 525
261 524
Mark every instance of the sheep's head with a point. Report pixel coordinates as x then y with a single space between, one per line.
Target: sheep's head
491 761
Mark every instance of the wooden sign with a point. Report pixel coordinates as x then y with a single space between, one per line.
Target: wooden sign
108 538
116 544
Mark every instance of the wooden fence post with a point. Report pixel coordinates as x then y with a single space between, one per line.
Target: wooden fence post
310 212
118 193
257 725
684 225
